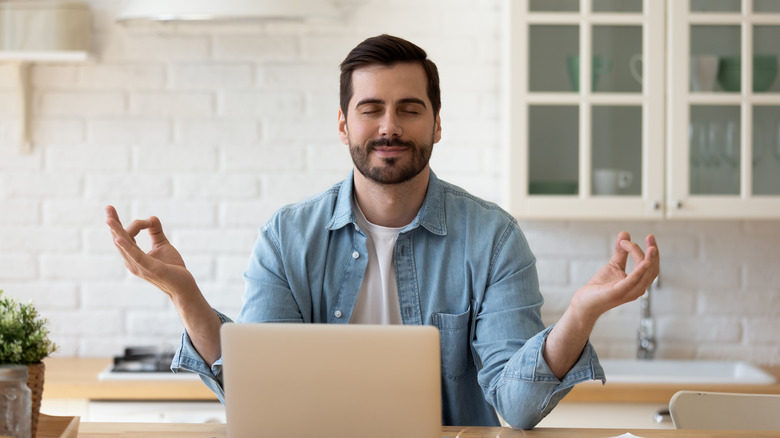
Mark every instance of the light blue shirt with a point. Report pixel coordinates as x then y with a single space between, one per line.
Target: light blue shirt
462 265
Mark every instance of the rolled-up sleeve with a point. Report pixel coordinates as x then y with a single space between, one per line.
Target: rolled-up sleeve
510 339
188 359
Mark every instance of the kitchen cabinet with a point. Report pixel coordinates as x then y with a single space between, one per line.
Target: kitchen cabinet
73 387
612 116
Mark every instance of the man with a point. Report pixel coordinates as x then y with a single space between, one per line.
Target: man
394 244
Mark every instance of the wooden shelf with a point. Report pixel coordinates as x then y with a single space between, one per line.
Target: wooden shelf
34 56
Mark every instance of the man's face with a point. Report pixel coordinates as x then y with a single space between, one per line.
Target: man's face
390 127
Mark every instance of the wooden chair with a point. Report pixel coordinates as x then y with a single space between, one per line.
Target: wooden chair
725 411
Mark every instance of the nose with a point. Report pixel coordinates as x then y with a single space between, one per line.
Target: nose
390 126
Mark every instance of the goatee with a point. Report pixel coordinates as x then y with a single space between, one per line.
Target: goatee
392 170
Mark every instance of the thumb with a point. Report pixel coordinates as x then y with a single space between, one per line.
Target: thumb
156 231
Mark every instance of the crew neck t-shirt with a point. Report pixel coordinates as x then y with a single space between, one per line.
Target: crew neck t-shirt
377 301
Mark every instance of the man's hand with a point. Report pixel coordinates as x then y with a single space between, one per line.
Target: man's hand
162 266
611 286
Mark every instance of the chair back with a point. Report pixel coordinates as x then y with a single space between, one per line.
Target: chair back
725 411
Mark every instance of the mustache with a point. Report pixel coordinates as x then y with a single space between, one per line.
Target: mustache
387 142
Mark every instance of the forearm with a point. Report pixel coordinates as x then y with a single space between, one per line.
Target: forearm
566 341
201 323
526 390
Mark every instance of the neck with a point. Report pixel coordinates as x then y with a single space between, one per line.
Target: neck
391 205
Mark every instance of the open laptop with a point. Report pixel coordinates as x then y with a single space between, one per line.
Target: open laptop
331 381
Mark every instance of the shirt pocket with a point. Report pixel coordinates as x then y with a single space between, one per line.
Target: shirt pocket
454 334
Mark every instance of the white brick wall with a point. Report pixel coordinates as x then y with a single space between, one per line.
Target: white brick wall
213 127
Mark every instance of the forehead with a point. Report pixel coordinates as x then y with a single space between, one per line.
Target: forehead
390 83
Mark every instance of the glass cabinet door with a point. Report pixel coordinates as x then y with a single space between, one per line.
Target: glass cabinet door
724 109
586 108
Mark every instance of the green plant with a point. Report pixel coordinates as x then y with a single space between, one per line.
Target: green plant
24 338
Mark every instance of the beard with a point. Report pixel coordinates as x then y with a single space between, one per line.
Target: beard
392 170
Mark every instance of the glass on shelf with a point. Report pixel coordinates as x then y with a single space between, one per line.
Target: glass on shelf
715 150
621 6
715 59
554 5
619 66
616 150
716 5
766 53
553 50
553 149
766 150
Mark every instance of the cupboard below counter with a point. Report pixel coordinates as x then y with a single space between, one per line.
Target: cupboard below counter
72 388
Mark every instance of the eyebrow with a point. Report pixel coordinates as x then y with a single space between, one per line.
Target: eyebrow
382 102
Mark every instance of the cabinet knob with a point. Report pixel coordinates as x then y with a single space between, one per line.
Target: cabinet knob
656 205
678 204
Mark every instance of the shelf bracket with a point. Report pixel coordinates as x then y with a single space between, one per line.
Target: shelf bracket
25 105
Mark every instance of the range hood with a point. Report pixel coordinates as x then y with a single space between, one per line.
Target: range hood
225 10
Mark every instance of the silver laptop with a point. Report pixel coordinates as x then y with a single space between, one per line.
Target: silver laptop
329 381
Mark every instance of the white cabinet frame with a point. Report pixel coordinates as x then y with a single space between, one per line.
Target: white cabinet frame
584 205
680 203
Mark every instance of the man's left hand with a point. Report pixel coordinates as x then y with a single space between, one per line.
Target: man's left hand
612 286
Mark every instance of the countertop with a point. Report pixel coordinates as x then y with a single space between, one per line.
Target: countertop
595 391
77 378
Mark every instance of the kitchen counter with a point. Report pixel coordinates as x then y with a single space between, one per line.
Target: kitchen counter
77 378
133 430
595 391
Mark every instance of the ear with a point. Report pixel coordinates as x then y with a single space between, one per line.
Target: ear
437 129
343 130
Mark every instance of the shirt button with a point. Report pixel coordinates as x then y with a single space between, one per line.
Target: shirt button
355 254
337 314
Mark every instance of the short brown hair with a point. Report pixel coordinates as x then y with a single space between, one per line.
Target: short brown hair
387 50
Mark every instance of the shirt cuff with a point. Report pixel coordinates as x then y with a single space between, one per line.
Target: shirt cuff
187 358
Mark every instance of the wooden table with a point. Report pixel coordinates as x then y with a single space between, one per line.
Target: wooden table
146 430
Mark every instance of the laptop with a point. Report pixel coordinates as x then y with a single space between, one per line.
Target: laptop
331 381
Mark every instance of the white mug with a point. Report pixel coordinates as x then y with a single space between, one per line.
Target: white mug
704 71
611 181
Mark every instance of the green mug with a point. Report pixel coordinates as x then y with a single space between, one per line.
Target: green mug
599 65
764 72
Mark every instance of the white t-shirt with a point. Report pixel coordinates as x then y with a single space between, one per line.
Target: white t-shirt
377 301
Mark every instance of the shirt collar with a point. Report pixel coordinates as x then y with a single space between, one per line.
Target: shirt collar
431 216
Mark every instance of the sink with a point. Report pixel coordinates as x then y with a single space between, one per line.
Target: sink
684 371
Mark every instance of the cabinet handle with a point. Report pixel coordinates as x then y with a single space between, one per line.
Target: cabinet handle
656 205
678 204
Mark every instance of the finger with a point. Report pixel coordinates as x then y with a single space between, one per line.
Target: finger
637 255
650 242
136 260
112 218
619 254
111 213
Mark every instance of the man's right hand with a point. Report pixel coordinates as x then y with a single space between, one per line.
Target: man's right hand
162 266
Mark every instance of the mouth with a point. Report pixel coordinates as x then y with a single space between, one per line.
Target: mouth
390 151
390 148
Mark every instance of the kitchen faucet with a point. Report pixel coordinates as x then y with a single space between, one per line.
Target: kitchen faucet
646 332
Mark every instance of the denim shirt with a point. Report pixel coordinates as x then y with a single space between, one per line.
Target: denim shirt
462 265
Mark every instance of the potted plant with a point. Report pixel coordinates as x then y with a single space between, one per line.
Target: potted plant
24 340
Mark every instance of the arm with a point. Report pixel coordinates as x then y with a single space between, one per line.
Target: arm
163 267
518 376
609 288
